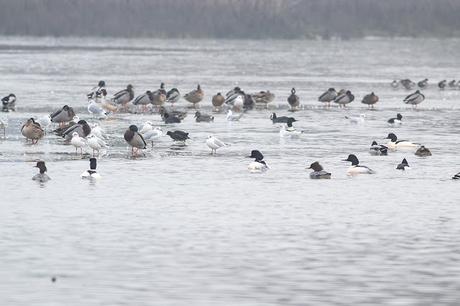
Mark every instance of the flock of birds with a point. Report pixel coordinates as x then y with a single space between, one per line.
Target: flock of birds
80 134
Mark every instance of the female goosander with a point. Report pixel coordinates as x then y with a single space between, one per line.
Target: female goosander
370 99
9 103
377 149
41 177
356 168
214 143
32 130
404 165
91 173
318 172
258 165
134 139
293 100
357 119
289 130
233 117
395 144
96 143
395 121
423 152
414 98
77 142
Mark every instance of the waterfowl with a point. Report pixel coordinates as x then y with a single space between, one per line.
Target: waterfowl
423 84
233 117
235 98
395 144
395 84
282 119
179 114
195 96
173 96
32 130
124 96
77 142
395 121
344 99
60 130
96 143
407 84
214 143
153 134
378 149
318 172
414 98
370 99
96 90
82 128
106 103
456 176
177 135
442 84
9 103
263 97
62 116
159 95
293 100
134 139
199 117
423 152
41 177
248 103
403 165
91 173
217 101
356 168
328 96
170 119
144 99
357 119
258 165
452 84
289 130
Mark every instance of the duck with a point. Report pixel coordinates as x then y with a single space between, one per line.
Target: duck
423 152
248 103
452 84
32 130
258 165
159 95
370 99
414 98
9 103
356 168
442 84
395 121
77 142
124 96
153 134
144 99
293 100
173 96
263 97
235 98
96 143
407 84
199 117
423 83
289 130
318 172
217 101
344 99
176 113
82 128
134 139
91 173
62 116
357 119
395 84
378 149
403 165
60 130
170 119
395 144
233 117
41 177
282 119
96 90
456 176
214 143
179 136
195 96
328 96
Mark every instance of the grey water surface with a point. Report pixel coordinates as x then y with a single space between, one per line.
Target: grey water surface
181 227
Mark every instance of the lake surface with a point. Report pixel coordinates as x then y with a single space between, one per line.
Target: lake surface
181 227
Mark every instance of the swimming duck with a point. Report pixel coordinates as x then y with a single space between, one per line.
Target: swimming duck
289 130
170 119
134 139
263 97
217 101
177 135
173 96
32 130
9 103
356 168
214 143
456 176
41 177
328 96
344 99
356 119
318 172
258 165
195 96
282 119
91 173
403 165
395 144
77 142
96 143
199 117
233 117
63 115
153 134
124 96
370 99
423 83
82 128
293 100
395 121
414 98
407 84
395 84
378 149
423 152
442 84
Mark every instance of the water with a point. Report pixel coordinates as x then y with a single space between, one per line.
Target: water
182 227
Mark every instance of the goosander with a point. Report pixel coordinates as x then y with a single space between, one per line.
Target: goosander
289 130
423 152
377 149
403 165
318 172
91 173
258 165
41 177
395 144
395 121
356 168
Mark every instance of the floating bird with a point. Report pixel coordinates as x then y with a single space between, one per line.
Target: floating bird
356 119
356 168
414 98
403 165
170 119
195 96
442 84
370 99
96 143
199 117
328 96
134 139
423 83
77 142
378 149
293 100
407 84
62 116
282 119
124 96
456 176
9 103
289 130
395 144
395 121
258 165
214 143
82 128
91 173
395 84
41 177
263 97
173 96
217 101
153 134
423 152
318 172
32 130
177 135
344 99
233 117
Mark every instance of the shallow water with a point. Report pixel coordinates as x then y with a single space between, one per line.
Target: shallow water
181 227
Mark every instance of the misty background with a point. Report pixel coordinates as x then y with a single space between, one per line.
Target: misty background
231 18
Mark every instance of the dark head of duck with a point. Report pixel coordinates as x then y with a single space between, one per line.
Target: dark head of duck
133 128
392 137
316 166
41 166
101 84
257 155
353 159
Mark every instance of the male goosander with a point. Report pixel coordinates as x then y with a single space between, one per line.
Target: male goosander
356 168
395 144
134 139
395 121
91 173
423 152
214 143
403 165
41 177
378 149
318 172
258 165
293 100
